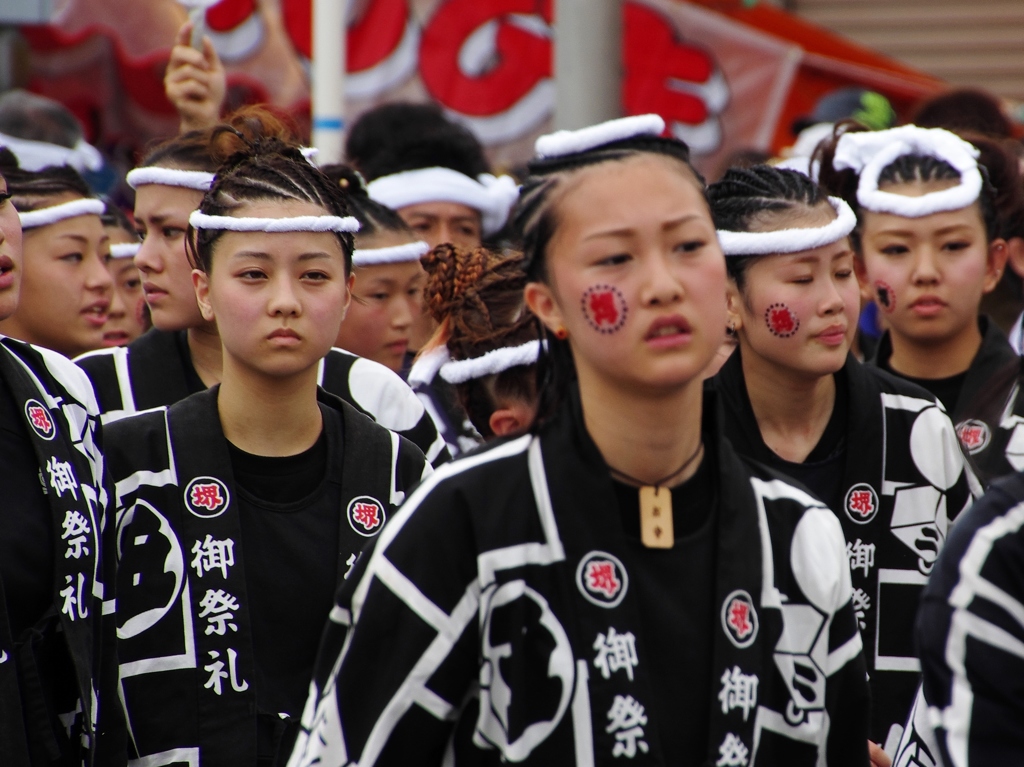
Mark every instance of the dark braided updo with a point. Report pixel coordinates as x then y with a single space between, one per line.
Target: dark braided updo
257 161
744 194
1000 201
476 296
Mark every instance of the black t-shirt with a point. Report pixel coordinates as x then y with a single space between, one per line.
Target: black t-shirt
26 521
676 608
945 390
822 471
289 510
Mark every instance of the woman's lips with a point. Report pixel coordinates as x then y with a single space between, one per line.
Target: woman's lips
668 331
927 306
6 272
96 313
833 336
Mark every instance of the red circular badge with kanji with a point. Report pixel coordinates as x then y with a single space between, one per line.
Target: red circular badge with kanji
206 497
601 579
366 515
974 435
739 618
604 307
781 321
40 420
861 503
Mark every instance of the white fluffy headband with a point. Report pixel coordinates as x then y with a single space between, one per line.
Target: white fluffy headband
492 196
491 363
412 251
124 249
200 220
46 216
869 153
790 240
35 155
566 142
199 180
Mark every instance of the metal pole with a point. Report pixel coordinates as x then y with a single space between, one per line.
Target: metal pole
328 78
588 62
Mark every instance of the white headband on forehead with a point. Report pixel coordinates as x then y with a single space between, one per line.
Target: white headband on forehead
566 142
200 220
124 249
35 155
199 180
412 251
794 240
46 216
492 196
869 153
491 363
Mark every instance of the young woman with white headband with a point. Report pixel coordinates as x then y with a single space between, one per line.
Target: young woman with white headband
181 355
65 286
128 317
878 450
928 248
387 295
58 675
491 338
616 585
242 507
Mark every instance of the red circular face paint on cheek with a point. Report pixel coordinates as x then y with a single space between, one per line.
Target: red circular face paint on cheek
781 321
605 308
885 297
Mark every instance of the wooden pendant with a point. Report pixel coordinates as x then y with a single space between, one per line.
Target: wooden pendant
656 530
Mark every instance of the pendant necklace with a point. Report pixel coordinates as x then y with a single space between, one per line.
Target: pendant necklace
656 528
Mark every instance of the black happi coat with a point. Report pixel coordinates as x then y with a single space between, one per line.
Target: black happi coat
990 407
442 403
151 372
970 631
189 691
61 420
903 481
503 567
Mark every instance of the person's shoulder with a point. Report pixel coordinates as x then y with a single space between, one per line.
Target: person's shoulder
889 383
994 524
46 363
374 389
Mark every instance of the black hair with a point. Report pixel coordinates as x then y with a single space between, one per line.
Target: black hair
30 190
258 164
373 216
744 193
998 201
113 216
534 221
398 137
38 118
476 296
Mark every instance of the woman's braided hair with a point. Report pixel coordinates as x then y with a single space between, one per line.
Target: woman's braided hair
258 160
1001 195
744 194
476 296
32 190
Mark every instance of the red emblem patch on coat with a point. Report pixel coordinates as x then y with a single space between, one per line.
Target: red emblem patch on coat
974 435
739 618
40 420
605 308
602 579
366 515
206 497
781 321
861 503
